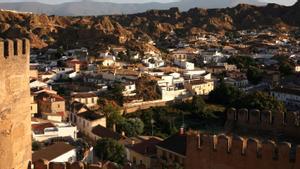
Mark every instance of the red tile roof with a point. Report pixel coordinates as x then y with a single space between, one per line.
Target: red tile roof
51 152
39 128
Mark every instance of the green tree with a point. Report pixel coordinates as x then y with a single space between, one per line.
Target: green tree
225 94
261 101
111 150
116 93
198 106
132 127
112 114
286 68
254 75
163 118
242 62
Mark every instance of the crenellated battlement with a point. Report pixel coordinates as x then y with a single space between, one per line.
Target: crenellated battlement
280 122
234 152
15 47
243 146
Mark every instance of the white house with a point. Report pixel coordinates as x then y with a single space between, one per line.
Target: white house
153 62
213 57
239 82
129 89
290 96
86 120
199 87
173 92
37 84
58 152
184 64
44 131
172 87
170 80
194 74
62 73
90 99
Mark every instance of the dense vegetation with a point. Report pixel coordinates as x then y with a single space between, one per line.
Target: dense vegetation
194 114
230 96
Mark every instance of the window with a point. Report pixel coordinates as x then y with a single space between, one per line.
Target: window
70 159
30 107
164 154
176 159
58 106
170 156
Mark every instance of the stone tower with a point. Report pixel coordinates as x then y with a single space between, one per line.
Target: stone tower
15 132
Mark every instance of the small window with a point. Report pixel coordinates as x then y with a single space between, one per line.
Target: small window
58 106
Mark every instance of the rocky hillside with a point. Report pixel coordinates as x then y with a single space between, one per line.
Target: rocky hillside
133 30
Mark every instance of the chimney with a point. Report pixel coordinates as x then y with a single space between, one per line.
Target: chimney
114 128
132 142
123 134
181 130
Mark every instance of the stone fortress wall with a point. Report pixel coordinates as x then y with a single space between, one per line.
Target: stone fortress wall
229 152
287 124
15 132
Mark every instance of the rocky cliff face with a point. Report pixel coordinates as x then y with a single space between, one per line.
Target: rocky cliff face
94 32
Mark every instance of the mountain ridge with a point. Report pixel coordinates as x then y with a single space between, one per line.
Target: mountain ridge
135 30
87 8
